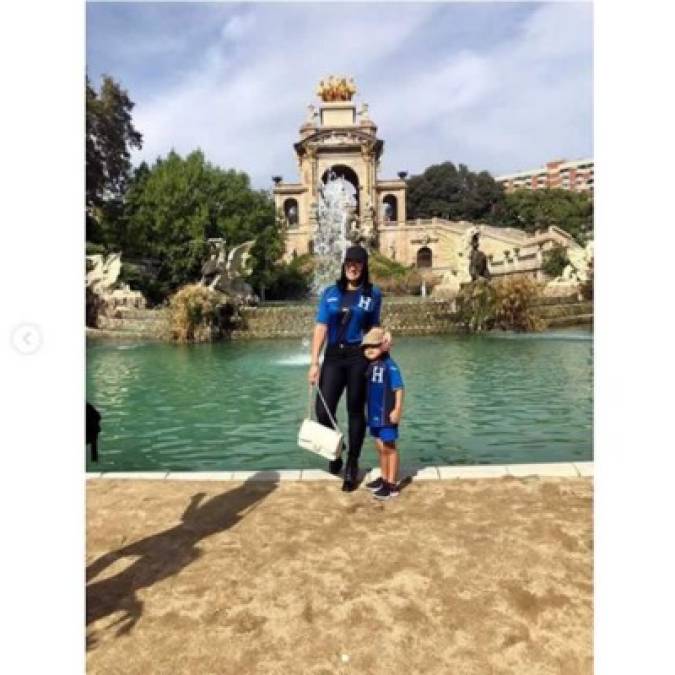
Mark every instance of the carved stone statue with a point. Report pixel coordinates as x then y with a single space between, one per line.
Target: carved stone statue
215 263
103 280
581 261
448 288
576 273
292 215
478 266
387 212
103 272
224 273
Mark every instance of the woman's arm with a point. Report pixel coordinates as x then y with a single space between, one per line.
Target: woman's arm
319 337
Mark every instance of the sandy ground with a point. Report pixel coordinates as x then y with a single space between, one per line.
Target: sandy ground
456 577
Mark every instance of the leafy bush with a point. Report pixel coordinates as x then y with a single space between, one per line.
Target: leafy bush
144 280
506 303
381 267
95 249
287 282
397 279
193 313
555 261
305 263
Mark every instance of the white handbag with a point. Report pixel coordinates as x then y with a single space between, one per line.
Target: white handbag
316 437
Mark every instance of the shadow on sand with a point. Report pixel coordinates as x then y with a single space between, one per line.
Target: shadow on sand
166 553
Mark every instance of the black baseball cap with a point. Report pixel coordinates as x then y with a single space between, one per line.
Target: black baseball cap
356 254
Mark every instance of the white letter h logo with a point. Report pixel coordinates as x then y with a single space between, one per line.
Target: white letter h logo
378 374
364 303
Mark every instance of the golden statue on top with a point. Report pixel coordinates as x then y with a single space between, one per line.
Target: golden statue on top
336 89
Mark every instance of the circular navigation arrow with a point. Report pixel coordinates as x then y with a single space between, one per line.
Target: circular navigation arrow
26 338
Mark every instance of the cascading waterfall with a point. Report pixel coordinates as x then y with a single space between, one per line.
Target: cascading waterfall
330 240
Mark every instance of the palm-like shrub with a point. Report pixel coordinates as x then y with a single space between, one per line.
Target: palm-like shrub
193 313
505 303
515 297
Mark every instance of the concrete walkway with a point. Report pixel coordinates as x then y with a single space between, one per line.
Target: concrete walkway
552 469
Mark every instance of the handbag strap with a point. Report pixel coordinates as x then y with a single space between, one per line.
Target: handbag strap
325 405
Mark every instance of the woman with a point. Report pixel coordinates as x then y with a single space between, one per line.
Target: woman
347 310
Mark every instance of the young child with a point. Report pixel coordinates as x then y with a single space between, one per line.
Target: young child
385 407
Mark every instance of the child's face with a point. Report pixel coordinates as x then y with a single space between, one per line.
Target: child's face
373 353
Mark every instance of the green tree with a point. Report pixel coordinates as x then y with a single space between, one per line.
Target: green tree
110 135
272 278
455 193
265 255
555 261
534 209
173 207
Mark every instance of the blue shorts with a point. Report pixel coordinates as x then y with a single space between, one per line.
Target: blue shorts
385 434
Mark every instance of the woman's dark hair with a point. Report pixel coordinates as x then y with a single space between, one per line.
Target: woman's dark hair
363 280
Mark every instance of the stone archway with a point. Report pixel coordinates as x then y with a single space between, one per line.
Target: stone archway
346 172
424 257
390 209
291 211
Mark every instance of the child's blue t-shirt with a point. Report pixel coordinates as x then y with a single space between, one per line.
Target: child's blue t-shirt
384 378
350 315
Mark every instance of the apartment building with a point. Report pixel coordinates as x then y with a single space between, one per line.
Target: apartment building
576 175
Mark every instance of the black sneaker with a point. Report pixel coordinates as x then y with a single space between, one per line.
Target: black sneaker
335 466
387 491
383 493
375 485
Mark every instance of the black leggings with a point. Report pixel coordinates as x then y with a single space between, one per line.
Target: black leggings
345 367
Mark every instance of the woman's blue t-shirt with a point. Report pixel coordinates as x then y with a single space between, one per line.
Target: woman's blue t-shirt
350 315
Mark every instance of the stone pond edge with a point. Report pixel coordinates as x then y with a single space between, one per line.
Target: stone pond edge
542 470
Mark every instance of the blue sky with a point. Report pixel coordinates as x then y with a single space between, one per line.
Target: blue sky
497 86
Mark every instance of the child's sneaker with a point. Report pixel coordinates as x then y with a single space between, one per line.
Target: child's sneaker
375 485
385 492
393 490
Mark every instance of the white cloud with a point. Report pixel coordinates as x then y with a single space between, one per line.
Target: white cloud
238 26
514 106
503 106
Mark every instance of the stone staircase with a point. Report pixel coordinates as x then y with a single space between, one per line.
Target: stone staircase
566 311
133 324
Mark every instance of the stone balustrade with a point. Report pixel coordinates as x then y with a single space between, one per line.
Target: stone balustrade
294 321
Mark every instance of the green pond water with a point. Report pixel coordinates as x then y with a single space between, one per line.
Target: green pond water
489 399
